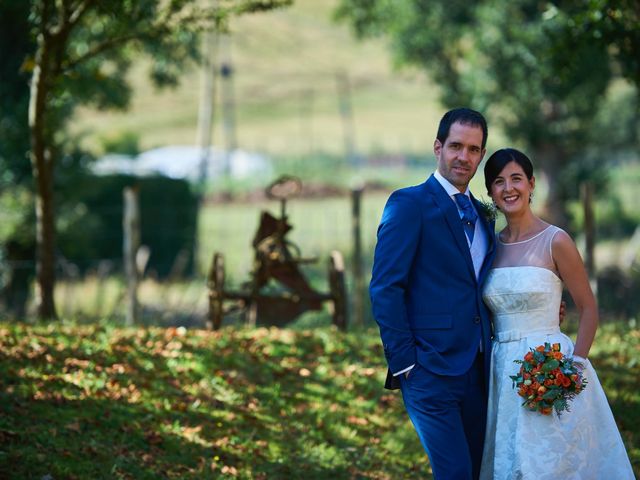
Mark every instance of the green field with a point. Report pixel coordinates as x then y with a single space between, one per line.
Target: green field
100 401
286 65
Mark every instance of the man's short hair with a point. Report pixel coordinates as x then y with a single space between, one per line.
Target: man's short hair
465 116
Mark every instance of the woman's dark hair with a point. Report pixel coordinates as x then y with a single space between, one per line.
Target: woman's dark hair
496 163
465 116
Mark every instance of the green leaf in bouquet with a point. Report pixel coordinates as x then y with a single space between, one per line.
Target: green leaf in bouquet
560 405
550 365
551 394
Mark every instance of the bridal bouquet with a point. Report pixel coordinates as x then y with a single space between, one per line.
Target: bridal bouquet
547 380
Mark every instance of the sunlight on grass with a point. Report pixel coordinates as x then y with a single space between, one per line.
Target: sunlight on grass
250 404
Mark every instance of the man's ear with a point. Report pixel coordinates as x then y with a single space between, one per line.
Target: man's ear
437 147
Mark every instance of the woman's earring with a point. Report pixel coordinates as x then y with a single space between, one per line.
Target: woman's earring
530 196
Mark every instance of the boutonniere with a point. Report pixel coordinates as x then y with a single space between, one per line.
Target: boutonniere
488 210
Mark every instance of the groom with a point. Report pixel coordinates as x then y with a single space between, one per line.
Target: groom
433 252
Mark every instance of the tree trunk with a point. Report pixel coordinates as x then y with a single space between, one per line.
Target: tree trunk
586 194
552 161
42 167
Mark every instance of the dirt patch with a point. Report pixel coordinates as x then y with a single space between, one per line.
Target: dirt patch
310 190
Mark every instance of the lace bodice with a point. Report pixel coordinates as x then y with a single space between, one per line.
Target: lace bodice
523 290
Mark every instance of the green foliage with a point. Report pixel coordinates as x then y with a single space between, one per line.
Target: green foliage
99 42
511 60
616 210
126 143
610 23
17 218
104 402
91 229
618 292
14 95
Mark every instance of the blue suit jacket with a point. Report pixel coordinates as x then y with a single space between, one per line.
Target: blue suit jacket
424 292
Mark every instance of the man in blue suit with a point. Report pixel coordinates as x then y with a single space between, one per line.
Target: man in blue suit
434 249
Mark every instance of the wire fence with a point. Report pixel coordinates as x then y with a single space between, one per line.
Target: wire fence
321 225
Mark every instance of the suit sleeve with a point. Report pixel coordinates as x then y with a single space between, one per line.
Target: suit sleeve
398 239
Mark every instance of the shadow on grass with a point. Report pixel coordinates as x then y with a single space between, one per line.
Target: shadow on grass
102 402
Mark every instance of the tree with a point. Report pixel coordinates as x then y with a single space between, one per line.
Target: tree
17 237
611 23
83 51
514 60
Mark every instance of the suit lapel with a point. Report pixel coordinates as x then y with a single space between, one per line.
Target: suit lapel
489 229
451 215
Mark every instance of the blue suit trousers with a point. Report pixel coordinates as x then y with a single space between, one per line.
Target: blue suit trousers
449 415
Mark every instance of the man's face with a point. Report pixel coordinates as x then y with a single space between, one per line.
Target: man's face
459 156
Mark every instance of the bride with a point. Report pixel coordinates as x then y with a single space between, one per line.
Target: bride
523 290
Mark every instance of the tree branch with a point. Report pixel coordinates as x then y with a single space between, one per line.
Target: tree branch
79 11
100 48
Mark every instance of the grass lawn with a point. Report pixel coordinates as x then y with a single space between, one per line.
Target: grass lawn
99 401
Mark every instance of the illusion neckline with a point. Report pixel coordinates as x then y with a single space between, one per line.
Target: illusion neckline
524 241
556 275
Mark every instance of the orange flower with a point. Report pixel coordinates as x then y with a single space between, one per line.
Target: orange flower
533 380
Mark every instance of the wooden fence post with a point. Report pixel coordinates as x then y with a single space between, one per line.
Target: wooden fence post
358 281
131 243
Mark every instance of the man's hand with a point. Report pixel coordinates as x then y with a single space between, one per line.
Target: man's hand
562 312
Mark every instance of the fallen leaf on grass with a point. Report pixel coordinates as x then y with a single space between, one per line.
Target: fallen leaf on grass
229 470
74 426
357 420
153 438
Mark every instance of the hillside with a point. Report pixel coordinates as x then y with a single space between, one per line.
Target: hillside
286 66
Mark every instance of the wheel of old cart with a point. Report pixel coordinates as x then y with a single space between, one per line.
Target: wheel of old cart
216 290
338 289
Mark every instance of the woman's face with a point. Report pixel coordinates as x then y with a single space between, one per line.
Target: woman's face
512 189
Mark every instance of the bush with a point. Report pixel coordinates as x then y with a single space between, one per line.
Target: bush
617 292
94 233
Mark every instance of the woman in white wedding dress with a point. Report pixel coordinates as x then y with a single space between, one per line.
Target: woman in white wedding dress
523 290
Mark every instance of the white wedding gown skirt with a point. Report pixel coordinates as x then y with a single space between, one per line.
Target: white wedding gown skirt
581 444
